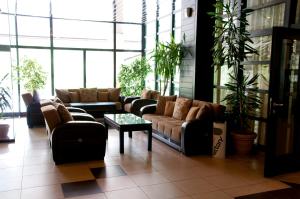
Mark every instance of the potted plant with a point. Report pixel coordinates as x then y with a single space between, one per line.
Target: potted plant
231 46
167 56
4 104
32 75
132 77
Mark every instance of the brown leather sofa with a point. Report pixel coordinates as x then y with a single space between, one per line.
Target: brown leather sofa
72 140
184 124
96 101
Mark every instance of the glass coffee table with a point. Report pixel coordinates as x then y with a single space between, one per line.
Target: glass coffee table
128 122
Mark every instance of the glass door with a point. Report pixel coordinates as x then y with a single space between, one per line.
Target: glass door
283 128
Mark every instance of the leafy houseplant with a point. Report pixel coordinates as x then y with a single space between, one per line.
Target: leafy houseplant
167 57
132 77
231 47
32 75
5 98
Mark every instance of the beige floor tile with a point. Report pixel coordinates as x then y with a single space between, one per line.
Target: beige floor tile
44 192
227 181
92 196
255 188
39 169
14 194
166 190
213 195
40 180
134 193
148 178
195 186
8 184
11 172
116 183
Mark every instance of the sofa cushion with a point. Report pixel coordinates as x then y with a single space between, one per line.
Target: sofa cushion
192 113
176 134
127 107
57 100
154 94
64 114
165 126
161 103
118 106
63 95
204 112
103 96
51 116
146 94
88 94
169 108
114 94
182 107
74 97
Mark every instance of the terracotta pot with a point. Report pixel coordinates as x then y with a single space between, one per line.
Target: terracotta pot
243 142
4 130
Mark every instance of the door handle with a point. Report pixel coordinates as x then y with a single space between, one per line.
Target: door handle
277 105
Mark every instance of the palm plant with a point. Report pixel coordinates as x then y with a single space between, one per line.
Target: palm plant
4 95
167 57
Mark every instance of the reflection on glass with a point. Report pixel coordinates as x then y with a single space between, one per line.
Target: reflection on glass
124 119
263 46
264 74
99 69
68 69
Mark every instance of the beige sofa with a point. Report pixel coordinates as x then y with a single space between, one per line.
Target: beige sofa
95 101
185 124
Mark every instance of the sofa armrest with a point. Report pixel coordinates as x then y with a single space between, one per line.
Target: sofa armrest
82 116
197 136
139 103
129 99
148 109
75 110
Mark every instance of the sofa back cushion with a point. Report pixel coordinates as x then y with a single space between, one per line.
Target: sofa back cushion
103 96
74 96
64 114
192 113
169 108
114 94
154 94
88 94
63 95
146 94
161 103
51 116
182 107
204 112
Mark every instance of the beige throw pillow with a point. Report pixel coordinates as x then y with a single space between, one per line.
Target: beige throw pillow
204 112
146 94
63 95
103 96
161 103
182 107
88 94
169 108
114 94
64 114
74 96
192 113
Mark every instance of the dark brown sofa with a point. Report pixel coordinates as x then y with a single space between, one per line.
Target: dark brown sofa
184 124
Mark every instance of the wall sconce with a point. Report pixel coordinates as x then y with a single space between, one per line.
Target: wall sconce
188 12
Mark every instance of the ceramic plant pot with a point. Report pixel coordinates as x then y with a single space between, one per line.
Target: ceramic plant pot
4 131
243 142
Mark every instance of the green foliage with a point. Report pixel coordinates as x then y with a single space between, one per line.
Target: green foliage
231 47
4 95
31 74
167 57
132 77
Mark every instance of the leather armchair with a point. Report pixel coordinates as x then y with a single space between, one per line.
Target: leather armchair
34 115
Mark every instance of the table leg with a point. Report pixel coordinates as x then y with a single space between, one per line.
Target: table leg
130 134
121 141
150 139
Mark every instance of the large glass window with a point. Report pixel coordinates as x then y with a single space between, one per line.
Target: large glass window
33 7
129 36
99 69
68 69
7 30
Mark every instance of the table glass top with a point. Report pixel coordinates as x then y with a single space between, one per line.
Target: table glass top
126 118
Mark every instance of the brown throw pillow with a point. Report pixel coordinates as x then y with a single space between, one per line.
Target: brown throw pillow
63 95
161 103
169 108
88 94
51 115
154 95
57 100
114 94
64 114
74 96
146 94
204 112
182 107
103 96
192 113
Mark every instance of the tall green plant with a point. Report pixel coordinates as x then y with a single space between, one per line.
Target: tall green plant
232 44
167 56
132 77
31 74
4 95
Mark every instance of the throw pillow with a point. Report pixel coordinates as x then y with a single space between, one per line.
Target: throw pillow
146 94
161 103
63 94
74 96
114 94
169 108
88 94
182 107
103 96
204 112
57 100
192 113
154 95
64 114
51 115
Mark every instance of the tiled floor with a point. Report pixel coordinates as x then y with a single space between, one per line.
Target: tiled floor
27 171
